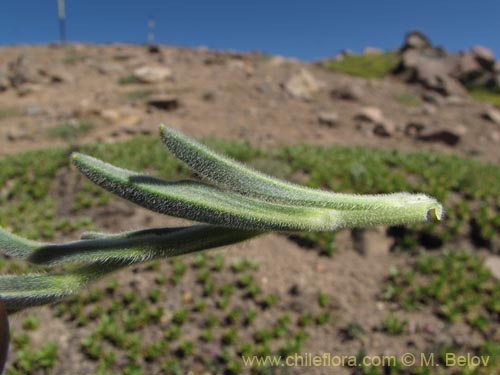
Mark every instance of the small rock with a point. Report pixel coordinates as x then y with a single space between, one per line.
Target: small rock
347 92
492 115
328 118
370 114
121 116
385 128
17 135
492 263
187 297
372 120
303 85
152 74
164 103
413 129
60 75
447 135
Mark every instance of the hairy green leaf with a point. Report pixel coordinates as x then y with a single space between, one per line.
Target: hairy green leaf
125 248
210 204
238 177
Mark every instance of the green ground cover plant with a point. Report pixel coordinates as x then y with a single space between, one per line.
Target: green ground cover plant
485 94
69 131
368 65
241 204
471 197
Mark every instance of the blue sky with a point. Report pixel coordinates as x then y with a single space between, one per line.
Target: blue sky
305 29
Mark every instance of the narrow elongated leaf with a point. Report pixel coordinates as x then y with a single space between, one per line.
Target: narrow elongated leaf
128 247
238 177
22 291
205 203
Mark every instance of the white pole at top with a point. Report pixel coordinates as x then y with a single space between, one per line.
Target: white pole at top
62 20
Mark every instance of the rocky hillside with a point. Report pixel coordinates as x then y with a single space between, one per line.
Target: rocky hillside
78 93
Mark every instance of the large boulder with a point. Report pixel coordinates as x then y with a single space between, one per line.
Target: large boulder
432 70
446 73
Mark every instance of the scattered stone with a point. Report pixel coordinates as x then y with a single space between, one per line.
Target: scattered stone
152 74
492 263
187 297
372 121
303 85
447 135
166 103
348 92
121 116
370 114
492 115
15 134
384 129
328 118
413 129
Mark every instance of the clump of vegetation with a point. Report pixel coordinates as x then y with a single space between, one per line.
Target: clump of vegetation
485 94
129 79
368 65
138 94
8 112
408 99
454 283
69 131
